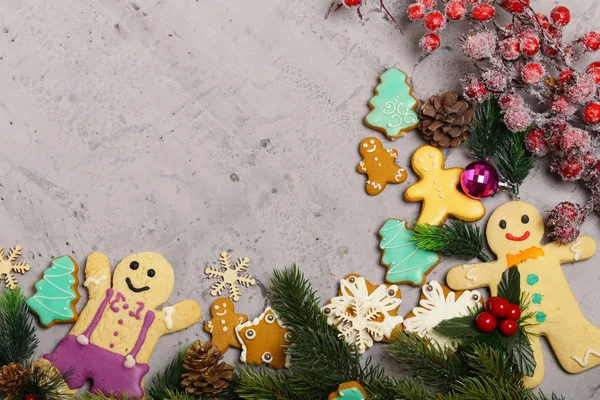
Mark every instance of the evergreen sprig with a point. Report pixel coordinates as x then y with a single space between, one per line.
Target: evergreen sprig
18 338
168 382
487 130
45 383
513 161
455 238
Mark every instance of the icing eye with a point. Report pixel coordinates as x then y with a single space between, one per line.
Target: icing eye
475 297
216 307
431 155
267 357
224 305
134 265
419 159
327 311
288 337
391 292
365 145
525 219
429 288
270 318
352 279
372 141
250 334
151 273
502 224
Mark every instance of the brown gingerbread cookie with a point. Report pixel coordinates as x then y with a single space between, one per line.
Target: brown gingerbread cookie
264 340
379 165
223 323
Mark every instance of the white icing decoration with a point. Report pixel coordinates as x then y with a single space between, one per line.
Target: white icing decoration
210 327
362 166
374 184
83 340
576 250
586 357
433 166
372 150
469 273
365 326
225 329
436 308
169 311
129 361
223 322
94 281
400 112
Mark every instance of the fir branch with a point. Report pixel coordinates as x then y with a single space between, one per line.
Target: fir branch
487 130
455 238
168 382
513 161
18 338
431 363
395 389
261 384
510 286
45 382
487 387
485 361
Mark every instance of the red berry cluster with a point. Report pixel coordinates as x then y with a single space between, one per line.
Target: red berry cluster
565 220
498 308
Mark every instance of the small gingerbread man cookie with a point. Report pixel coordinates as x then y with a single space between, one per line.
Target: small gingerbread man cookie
379 166
438 190
264 340
223 323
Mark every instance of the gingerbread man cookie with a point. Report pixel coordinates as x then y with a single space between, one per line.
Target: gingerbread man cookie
113 339
515 231
223 323
438 189
264 340
379 166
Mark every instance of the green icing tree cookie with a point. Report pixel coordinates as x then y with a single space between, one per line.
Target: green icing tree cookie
393 106
406 263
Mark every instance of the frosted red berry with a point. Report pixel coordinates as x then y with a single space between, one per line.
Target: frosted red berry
591 113
435 21
416 11
560 16
535 142
562 107
575 138
515 6
543 20
532 72
591 41
475 91
581 89
486 322
472 1
488 302
594 71
549 50
565 211
565 76
429 4
530 45
499 307
479 46
456 10
483 12
494 80
430 42
508 327
510 100
571 169
352 3
509 49
517 119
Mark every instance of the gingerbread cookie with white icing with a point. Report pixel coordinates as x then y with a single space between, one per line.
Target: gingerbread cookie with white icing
514 233
379 165
438 189
223 323
113 339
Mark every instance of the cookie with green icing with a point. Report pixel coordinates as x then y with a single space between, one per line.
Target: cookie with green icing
405 261
349 391
57 293
393 106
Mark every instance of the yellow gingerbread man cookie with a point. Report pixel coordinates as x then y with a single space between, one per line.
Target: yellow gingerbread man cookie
113 339
514 233
379 165
438 189
223 323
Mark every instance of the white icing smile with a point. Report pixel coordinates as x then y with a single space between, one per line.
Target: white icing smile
220 314
372 150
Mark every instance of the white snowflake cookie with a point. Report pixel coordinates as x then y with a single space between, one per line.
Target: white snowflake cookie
439 303
364 313
230 275
9 265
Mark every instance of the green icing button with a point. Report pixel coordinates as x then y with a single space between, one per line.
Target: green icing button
536 298
532 279
540 317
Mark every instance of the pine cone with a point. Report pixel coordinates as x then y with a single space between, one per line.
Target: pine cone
205 376
12 377
445 119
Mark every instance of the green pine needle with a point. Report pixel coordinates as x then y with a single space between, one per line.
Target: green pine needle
513 161
260 384
455 238
487 130
168 382
45 383
389 388
18 338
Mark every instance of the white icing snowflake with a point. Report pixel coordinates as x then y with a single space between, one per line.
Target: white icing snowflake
8 266
229 275
435 308
362 317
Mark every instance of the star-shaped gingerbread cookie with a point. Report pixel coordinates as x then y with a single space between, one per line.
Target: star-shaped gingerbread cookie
438 190
223 323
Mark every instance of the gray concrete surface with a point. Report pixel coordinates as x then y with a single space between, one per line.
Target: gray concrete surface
191 127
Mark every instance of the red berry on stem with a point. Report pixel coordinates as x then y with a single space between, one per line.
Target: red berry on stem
430 42
490 301
513 312
530 45
595 73
456 10
472 1
515 6
535 142
429 4
591 41
591 113
416 11
499 307
565 76
543 20
508 327
483 12
435 21
509 49
571 169
560 106
486 322
475 91
595 64
560 16
532 72
352 3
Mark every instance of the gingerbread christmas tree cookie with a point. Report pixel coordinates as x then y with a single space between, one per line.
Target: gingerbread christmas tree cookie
264 340
404 260
364 313
349 391
379 165
438 189
223 323
393 106
514 232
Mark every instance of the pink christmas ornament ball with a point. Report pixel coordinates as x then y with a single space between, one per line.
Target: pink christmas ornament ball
479 180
